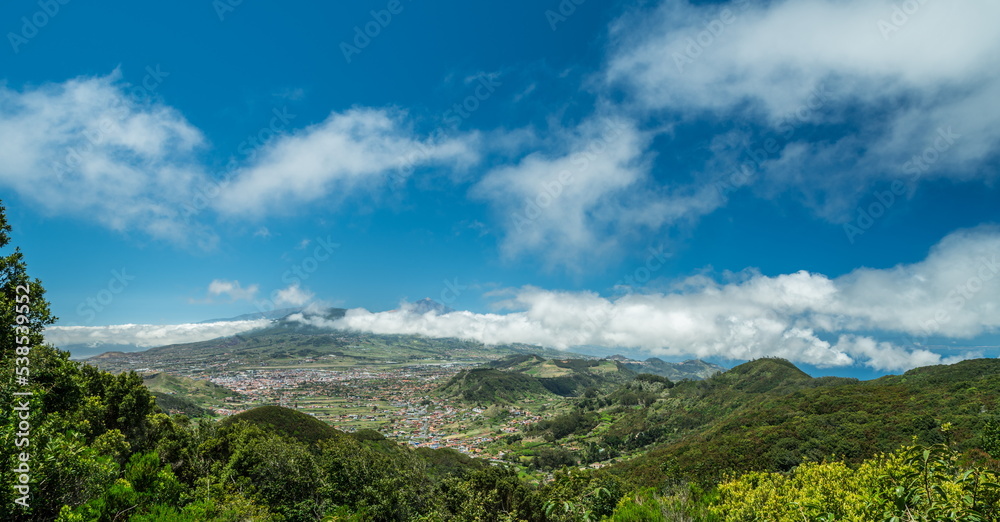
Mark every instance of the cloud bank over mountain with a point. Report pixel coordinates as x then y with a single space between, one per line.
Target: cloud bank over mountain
804 317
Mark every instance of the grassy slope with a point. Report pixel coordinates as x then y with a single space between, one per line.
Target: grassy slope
192 388
192 397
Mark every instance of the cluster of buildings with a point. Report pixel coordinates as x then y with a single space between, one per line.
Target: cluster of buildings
398 402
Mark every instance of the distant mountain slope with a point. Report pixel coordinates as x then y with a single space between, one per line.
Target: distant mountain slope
297 341
520 376
273 314
429 305
693 369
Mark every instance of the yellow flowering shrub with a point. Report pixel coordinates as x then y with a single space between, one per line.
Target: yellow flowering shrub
913 483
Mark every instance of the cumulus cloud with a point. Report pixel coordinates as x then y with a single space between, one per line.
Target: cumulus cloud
810 318
878 82
92 148
579 201
355 149
233 289
836 96
292 295
148 335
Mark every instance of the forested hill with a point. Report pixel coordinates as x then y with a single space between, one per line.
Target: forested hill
526 376
769 415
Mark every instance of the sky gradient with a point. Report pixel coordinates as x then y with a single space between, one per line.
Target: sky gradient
810 179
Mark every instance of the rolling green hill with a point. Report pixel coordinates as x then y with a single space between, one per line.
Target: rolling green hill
191 397
530 375
487 385
286 421
196 389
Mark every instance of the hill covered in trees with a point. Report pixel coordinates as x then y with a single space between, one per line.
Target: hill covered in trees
519 377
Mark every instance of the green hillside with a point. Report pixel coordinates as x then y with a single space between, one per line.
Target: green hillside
179 404
196 389
769 415
529 375
192 397
286 421
488 385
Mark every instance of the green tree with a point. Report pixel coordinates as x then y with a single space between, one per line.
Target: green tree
24 313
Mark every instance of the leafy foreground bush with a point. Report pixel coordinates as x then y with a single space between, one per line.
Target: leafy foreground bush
915 483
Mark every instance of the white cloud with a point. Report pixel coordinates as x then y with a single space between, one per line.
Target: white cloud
804 317
783 66
148 335
233 289
881 96
576 204
359 148
292 295
88 148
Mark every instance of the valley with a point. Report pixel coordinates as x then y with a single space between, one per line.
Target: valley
436 393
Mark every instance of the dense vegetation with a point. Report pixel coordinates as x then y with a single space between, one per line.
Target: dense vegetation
289 423
763 441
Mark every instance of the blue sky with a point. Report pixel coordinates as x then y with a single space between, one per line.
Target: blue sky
815 180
